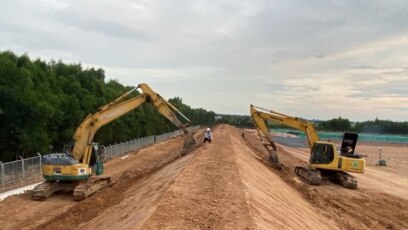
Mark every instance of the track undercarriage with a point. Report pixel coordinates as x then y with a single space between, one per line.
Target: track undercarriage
47 188
81 189
316 176
89 187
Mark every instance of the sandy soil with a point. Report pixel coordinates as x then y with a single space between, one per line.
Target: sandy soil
222 185
395 155
274 204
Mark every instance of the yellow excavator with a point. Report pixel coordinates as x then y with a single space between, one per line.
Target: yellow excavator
81 169
326 162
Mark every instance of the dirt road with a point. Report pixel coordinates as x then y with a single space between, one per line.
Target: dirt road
222 185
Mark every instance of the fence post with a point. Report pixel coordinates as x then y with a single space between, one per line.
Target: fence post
2 173
39 155
22 166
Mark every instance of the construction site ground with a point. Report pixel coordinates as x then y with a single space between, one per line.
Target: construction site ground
226 184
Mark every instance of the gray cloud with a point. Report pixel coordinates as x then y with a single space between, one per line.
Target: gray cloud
294 54
397 109
102 26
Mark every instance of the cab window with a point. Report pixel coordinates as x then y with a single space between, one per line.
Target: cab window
322 154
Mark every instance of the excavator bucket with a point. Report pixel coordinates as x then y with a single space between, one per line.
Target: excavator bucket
190 143
274 160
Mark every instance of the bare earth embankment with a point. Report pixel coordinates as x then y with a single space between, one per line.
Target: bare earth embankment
222 185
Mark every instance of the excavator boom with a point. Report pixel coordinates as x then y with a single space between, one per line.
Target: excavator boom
119 107
259 115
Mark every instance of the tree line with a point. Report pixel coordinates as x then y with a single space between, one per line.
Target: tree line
376 126
42 104
339 124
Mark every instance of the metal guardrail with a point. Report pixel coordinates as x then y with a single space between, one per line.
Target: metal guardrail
25 168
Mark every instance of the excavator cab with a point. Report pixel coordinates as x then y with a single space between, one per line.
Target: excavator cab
322 153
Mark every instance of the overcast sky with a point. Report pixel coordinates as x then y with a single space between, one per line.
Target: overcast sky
313 59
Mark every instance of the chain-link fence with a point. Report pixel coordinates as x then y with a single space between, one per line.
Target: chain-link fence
24 168
121 148
19 170
112 151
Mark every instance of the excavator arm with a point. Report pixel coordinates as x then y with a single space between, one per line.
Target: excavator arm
260 115
85 132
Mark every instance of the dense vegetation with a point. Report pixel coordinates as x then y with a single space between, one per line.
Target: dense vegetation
242 121
42 104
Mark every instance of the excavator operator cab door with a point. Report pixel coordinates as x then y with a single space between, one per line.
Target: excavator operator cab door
348 144
97 153
322 154
96 162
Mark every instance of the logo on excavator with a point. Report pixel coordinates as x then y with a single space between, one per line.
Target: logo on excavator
81 171
354 164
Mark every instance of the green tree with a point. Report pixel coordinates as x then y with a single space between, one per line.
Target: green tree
336 124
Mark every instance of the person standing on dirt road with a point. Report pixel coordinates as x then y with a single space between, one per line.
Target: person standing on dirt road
207 135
